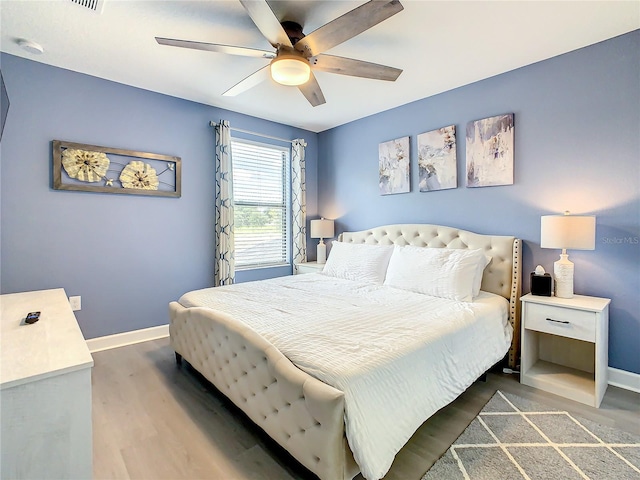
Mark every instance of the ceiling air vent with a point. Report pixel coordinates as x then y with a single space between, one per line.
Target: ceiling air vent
95 5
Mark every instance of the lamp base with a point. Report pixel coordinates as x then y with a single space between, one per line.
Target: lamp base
563 273
321 253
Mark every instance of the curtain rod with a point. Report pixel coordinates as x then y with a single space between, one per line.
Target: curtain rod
213 124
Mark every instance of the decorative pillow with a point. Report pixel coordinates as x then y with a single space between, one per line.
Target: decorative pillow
358 261
440 272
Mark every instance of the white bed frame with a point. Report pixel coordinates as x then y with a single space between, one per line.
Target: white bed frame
304 415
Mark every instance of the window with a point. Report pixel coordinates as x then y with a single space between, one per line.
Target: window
261 197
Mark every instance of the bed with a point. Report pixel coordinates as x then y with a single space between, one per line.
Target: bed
346 403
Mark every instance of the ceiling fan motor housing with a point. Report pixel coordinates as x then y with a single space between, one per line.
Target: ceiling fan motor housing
293 31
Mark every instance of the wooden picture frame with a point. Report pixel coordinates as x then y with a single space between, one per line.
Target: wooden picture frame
87 168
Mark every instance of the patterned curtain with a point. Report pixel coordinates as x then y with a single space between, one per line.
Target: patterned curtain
298 202
224 270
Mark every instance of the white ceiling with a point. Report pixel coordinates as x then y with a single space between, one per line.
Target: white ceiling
440 45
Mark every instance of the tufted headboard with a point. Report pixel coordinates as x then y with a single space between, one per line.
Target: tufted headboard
501 276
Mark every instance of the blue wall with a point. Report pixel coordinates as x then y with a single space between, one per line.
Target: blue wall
127 256
577 148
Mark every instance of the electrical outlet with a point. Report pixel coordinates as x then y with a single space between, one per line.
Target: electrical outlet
75 303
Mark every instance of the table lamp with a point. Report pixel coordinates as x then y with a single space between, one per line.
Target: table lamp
321 229
573 232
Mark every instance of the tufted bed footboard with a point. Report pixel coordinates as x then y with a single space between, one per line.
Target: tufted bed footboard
304 415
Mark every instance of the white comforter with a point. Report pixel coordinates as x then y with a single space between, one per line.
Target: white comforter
398 356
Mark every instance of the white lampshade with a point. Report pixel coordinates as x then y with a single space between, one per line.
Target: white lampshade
322 228
572 232
290 70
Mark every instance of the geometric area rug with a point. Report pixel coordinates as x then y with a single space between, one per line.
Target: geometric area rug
515 438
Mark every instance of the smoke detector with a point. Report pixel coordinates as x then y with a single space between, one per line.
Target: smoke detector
31 47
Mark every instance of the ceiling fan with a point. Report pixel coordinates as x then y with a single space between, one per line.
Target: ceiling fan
297 54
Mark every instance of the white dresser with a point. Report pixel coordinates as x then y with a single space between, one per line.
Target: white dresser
45 377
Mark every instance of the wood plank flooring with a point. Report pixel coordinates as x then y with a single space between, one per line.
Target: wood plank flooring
154 420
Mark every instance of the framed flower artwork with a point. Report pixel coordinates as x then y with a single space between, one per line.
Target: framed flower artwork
90 168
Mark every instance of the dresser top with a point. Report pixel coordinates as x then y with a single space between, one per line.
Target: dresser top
52 346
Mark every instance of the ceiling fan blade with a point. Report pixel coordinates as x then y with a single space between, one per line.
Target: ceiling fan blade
266 21
215 47
251 81
348 26
312 92
354 68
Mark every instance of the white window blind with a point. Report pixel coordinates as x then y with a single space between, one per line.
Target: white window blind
261 194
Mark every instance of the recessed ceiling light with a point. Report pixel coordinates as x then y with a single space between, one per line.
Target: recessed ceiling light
31 47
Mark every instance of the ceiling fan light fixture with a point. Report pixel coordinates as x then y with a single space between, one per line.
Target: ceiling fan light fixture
290 70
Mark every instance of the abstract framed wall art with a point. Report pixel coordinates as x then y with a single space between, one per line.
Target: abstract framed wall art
437 159
394 166
90 168
490 151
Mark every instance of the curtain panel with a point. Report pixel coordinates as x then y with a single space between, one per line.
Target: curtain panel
298 202
224 269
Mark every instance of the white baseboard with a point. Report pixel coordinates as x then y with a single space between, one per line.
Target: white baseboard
624 379
127 338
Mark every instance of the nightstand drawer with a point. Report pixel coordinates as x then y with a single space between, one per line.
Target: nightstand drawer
307 267
565 322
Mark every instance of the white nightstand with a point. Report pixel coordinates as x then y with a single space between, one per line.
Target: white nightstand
307 267
565 346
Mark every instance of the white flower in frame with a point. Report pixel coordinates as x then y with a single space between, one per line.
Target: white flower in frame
84 165
139 175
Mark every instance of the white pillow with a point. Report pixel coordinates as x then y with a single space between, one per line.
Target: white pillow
477 281
358 261
440 272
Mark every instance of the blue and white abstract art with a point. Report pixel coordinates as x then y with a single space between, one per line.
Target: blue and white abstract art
490 151
394 166
437 159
